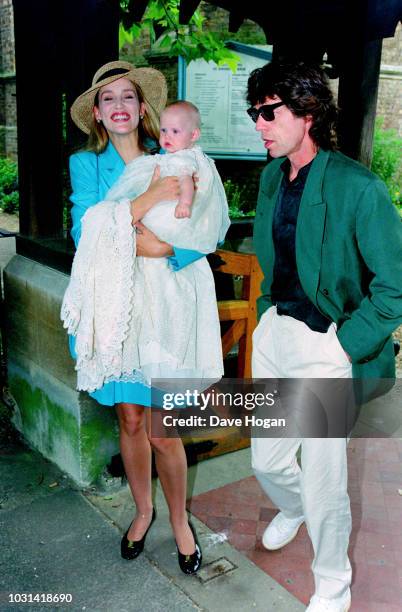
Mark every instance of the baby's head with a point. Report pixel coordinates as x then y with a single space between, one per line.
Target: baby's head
180 126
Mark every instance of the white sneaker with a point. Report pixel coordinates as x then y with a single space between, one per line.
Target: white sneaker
338 604
281 531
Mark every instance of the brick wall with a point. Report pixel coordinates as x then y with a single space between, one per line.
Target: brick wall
7 59
8 114
392 48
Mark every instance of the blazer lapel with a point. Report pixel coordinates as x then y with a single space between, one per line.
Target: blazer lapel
263 241
311 225
111 165
272 197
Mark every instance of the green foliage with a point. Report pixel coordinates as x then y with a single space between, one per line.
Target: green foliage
236 199
161 20
9 197
10 202
387 160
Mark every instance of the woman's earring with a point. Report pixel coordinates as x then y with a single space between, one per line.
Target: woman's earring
98 120
141 116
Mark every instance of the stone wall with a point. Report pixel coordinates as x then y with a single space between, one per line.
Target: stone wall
67 427
7 59
390 88
8 111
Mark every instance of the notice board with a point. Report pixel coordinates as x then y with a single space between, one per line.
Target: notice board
220 95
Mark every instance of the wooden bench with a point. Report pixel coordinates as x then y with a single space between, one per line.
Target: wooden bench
242 312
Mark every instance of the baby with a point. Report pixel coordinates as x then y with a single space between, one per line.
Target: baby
180 129
199 218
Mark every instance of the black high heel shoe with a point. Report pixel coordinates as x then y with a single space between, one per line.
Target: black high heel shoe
190 564
130 549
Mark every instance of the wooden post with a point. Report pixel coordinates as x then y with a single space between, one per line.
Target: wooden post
58 47
39 116
251 291
357 99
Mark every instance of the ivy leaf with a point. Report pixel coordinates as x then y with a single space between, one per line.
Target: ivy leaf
165 42
125 37
232 62
191 42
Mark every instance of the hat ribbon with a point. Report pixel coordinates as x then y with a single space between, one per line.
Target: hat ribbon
112 72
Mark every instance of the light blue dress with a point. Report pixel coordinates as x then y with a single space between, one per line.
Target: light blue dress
92 176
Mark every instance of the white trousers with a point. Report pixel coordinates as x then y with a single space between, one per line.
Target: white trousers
286 348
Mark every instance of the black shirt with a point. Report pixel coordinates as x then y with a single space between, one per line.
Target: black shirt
287 292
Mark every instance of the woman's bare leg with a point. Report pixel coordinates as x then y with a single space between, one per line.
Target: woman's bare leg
171 464
137 455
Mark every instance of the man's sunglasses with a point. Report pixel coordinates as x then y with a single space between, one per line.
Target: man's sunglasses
266 111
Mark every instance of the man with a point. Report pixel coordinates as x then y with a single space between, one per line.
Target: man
329 243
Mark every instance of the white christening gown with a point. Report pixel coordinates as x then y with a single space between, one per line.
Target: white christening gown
171 326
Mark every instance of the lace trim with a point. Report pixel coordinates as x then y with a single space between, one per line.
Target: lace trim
134 377
110 355
98 302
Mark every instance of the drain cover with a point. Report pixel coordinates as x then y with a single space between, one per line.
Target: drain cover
215 569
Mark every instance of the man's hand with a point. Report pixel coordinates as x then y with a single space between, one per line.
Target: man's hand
148 245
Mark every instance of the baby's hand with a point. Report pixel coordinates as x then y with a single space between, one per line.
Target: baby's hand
182 210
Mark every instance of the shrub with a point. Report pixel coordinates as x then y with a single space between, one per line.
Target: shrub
387 161
9 197
10 202
236 200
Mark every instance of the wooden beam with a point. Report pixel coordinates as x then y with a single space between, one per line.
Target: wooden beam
136 9
236 19
187 10
232 310
233 335
234 263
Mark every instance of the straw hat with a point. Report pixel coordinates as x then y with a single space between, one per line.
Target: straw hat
151 81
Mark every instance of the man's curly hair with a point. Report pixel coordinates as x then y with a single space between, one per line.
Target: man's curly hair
305 91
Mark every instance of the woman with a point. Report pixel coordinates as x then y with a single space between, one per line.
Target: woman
119 112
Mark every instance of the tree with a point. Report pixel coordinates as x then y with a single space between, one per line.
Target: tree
161 20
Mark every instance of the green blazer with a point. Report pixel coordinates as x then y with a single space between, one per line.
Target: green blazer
348 253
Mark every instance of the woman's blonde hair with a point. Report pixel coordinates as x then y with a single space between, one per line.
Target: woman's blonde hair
148 128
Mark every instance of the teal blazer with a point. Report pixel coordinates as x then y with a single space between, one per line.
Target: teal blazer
348 253
91 177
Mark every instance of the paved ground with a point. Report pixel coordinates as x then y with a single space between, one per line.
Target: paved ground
241 512
56 539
